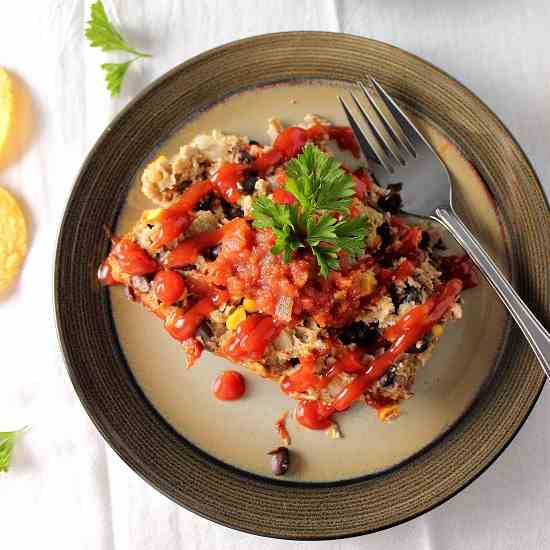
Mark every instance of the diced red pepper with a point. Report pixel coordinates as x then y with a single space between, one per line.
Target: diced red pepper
291 141
282 196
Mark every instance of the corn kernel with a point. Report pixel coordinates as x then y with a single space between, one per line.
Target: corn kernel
389 412
437 330
237 317
151 215
369 282
250 305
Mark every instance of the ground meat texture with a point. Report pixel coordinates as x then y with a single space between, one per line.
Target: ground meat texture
231 211
130 293
249 183
205 203
391 202
140 283
358 333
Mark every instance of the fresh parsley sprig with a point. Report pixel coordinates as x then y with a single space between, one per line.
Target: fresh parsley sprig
101 33
7 444
318 182
321 189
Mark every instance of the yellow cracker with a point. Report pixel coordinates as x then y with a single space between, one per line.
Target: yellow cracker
13 238
6 105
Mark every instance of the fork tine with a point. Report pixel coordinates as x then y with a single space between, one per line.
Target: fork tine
367 140
379 128
394 117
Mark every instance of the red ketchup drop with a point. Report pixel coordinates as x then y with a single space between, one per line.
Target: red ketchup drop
169 287
229 385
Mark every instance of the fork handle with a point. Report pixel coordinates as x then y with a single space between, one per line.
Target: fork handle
537 336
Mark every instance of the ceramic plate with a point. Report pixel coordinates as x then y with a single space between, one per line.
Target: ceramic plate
210 456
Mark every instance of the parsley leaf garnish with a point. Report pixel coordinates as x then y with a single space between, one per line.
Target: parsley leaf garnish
114 75
321 189
101 33
318 182
7 444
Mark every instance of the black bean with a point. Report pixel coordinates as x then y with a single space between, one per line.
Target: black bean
231 210
386 261
408 295
395 298
384 231
419 347
280 461
391 202
210 254
358 333
440 245
425 240
411 294
249 184
205 331
395 186
245 157
206 202
294 361
140 283
389 378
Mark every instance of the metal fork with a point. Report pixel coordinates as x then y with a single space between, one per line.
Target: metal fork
386 135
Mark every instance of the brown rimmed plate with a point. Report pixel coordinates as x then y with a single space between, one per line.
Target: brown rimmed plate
239 85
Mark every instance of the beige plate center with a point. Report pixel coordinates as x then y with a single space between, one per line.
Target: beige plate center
240 433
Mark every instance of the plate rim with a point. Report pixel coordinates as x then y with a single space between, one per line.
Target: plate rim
119 447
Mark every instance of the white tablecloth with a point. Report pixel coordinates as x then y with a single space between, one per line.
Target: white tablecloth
67 490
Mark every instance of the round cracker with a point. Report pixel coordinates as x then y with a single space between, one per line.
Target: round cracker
13 238
6 105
